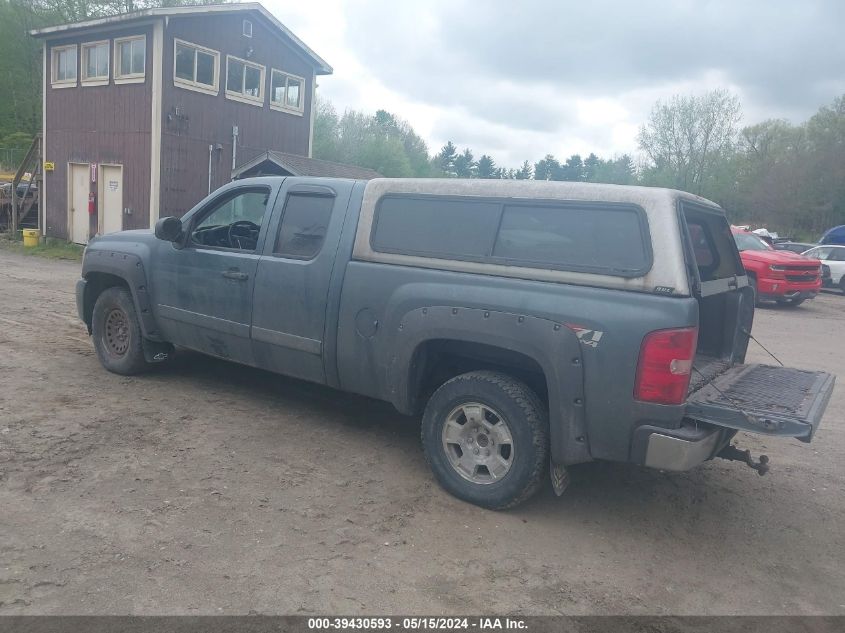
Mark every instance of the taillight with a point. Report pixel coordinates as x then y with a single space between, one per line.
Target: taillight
665 364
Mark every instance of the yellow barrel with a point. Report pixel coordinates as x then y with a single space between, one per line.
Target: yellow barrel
30 237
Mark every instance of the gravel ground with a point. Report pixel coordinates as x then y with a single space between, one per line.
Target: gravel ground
208 488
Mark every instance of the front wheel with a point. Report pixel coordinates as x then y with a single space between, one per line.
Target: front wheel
117 332
485 437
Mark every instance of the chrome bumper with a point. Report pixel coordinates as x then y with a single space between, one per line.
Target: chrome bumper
667 452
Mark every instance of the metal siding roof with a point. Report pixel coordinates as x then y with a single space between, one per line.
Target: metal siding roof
297 165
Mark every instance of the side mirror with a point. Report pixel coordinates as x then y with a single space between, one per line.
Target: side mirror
169 229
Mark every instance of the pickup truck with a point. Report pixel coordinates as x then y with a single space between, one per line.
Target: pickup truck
777 275
531 325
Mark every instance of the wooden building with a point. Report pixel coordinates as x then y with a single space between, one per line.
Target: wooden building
146 112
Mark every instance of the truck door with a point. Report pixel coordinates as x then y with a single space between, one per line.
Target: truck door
292 280
203 290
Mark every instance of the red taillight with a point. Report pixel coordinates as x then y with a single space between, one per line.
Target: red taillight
663 371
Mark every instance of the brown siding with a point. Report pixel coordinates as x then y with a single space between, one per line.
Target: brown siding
99 124
207 119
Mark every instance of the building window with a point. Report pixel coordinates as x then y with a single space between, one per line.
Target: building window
195 67
64 66
130 59
95 63
244 81
247 28
286 92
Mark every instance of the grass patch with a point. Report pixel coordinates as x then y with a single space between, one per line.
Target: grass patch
49 248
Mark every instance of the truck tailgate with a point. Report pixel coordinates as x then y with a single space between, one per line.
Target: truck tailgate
764 399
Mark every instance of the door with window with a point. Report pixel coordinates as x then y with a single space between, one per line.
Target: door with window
203 289
293 278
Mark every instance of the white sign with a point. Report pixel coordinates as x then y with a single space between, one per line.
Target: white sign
113 185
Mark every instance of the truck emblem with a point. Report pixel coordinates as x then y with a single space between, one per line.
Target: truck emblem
588 337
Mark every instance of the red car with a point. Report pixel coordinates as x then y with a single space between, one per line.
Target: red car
780 276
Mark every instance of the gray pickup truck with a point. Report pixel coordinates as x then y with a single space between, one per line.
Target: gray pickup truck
533 325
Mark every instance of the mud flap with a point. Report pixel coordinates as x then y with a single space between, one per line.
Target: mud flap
560 478
763 399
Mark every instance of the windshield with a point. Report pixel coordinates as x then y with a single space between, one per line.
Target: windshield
750 242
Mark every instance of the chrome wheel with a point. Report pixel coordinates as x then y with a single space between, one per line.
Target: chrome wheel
478 443
116 332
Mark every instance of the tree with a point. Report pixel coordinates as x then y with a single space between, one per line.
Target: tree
573 170
444 161
686 138
465 166
487 168
547 169
526 172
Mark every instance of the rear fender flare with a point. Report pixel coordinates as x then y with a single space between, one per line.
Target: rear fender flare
554 347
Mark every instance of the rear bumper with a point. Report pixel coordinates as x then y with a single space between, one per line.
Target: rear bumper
678 449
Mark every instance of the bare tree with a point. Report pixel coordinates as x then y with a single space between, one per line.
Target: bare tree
686 138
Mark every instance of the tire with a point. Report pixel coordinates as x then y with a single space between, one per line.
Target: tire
117 332
487 399
842 284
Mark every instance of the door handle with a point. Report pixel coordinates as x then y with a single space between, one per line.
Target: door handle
234 274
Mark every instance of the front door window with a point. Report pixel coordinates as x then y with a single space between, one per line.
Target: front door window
233 222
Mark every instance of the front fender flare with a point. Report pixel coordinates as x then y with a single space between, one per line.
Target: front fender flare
130 268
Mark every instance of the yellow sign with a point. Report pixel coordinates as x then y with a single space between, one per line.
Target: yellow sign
49 166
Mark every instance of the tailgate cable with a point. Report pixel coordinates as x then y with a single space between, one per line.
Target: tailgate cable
749 335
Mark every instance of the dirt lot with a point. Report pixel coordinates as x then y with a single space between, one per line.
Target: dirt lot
211 488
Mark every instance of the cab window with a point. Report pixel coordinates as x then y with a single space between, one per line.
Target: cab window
233 221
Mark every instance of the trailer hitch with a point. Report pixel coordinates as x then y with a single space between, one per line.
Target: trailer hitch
732 453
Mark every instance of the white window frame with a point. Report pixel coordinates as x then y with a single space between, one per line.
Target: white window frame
283 106
240 96
98 80
246 29
54 66
187 84
131 78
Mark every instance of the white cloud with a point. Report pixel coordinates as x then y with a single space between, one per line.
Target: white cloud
520 80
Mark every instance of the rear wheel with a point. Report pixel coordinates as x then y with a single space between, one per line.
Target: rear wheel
485 437
117 332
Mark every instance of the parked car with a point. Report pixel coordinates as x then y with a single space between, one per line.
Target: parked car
777 275
793 247
528 323
834 258
836 235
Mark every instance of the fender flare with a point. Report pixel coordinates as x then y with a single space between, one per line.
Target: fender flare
130 268
553 346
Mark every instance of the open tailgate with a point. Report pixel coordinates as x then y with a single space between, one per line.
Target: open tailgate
764 399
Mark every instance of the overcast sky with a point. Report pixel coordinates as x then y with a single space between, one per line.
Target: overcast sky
518 80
